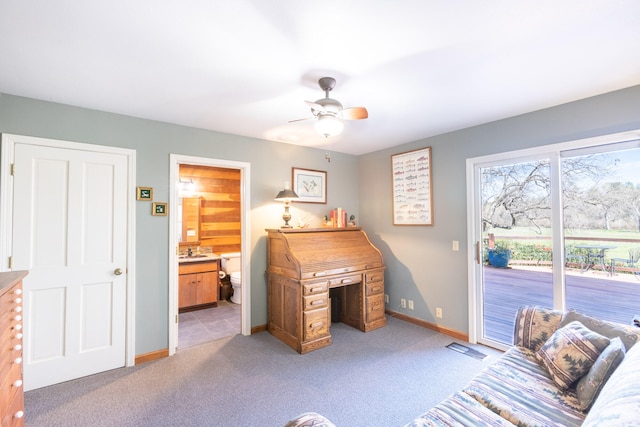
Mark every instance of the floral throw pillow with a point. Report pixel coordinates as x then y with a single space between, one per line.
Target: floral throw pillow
570 352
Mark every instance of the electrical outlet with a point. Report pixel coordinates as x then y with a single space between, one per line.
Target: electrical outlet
403 303
455 245
410 304
438 312
386 298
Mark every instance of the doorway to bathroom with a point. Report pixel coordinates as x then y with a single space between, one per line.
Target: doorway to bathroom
209 217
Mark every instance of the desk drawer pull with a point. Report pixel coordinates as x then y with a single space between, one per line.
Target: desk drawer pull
316 325
19 414
319 273
346 281
17 383
317 302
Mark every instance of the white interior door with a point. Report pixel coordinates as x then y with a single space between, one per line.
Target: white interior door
70 232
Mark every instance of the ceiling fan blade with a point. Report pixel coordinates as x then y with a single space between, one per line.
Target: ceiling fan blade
354 113
301 120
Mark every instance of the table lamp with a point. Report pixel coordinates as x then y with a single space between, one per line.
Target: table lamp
286 196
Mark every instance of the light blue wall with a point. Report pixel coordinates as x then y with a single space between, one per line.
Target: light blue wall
271 165
420 262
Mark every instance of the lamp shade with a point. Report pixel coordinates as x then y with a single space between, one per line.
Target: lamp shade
286 195
328 125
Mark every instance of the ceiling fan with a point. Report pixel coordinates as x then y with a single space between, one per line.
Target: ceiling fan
329 111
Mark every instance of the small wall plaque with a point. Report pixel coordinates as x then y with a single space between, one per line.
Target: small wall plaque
159 209
144 193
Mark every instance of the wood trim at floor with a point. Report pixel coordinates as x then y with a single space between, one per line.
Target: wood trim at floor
434 327
259 328
154 355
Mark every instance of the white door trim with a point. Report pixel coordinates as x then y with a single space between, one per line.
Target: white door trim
6 209
175 160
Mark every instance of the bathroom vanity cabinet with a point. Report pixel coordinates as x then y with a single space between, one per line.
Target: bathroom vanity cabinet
198 284
312 270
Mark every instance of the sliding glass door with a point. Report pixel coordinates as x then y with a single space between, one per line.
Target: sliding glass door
601 193
516 242
558 227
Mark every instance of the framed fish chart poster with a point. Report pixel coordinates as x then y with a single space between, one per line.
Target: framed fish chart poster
412 194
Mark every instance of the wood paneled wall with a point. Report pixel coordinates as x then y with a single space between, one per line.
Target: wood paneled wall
220 214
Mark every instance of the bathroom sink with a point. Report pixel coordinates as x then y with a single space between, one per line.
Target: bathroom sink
193 256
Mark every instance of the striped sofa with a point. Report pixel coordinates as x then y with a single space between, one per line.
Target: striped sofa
526 388
522 387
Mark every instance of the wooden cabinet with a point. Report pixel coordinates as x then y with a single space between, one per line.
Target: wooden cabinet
307 268
198 285
11 387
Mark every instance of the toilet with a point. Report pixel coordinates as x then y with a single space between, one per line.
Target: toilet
232 267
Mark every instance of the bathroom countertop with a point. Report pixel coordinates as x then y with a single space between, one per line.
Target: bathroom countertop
198 258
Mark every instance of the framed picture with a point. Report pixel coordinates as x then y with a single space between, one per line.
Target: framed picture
310 185
159 209
412 196
144 193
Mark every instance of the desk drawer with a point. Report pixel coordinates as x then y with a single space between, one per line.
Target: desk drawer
316 324
312 302
315 287
374 288
346 280
375 308
374 276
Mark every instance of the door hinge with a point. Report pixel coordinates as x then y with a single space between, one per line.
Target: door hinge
10 262
13 169
176 318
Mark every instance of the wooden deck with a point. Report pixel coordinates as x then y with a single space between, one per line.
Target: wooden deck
614 298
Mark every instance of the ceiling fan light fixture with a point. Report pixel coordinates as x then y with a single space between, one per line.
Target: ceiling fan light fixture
328 125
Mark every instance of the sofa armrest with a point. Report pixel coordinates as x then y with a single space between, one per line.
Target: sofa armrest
534 325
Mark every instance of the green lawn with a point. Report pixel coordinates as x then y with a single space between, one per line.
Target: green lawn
537 246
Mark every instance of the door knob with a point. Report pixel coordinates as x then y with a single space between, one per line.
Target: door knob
117 271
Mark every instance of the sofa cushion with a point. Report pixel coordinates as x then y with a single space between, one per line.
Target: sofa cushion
590 385
570 353
618 403
459 410
519 389
627 333
534 326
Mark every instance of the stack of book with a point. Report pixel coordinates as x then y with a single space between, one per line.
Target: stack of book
338 218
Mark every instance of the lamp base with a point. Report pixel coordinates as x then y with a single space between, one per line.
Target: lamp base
286 216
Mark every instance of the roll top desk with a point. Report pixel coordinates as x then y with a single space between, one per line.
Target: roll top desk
307 268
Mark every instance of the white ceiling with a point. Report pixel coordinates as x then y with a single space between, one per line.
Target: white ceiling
420 67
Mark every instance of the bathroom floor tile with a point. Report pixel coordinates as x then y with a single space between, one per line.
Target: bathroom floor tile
201 326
